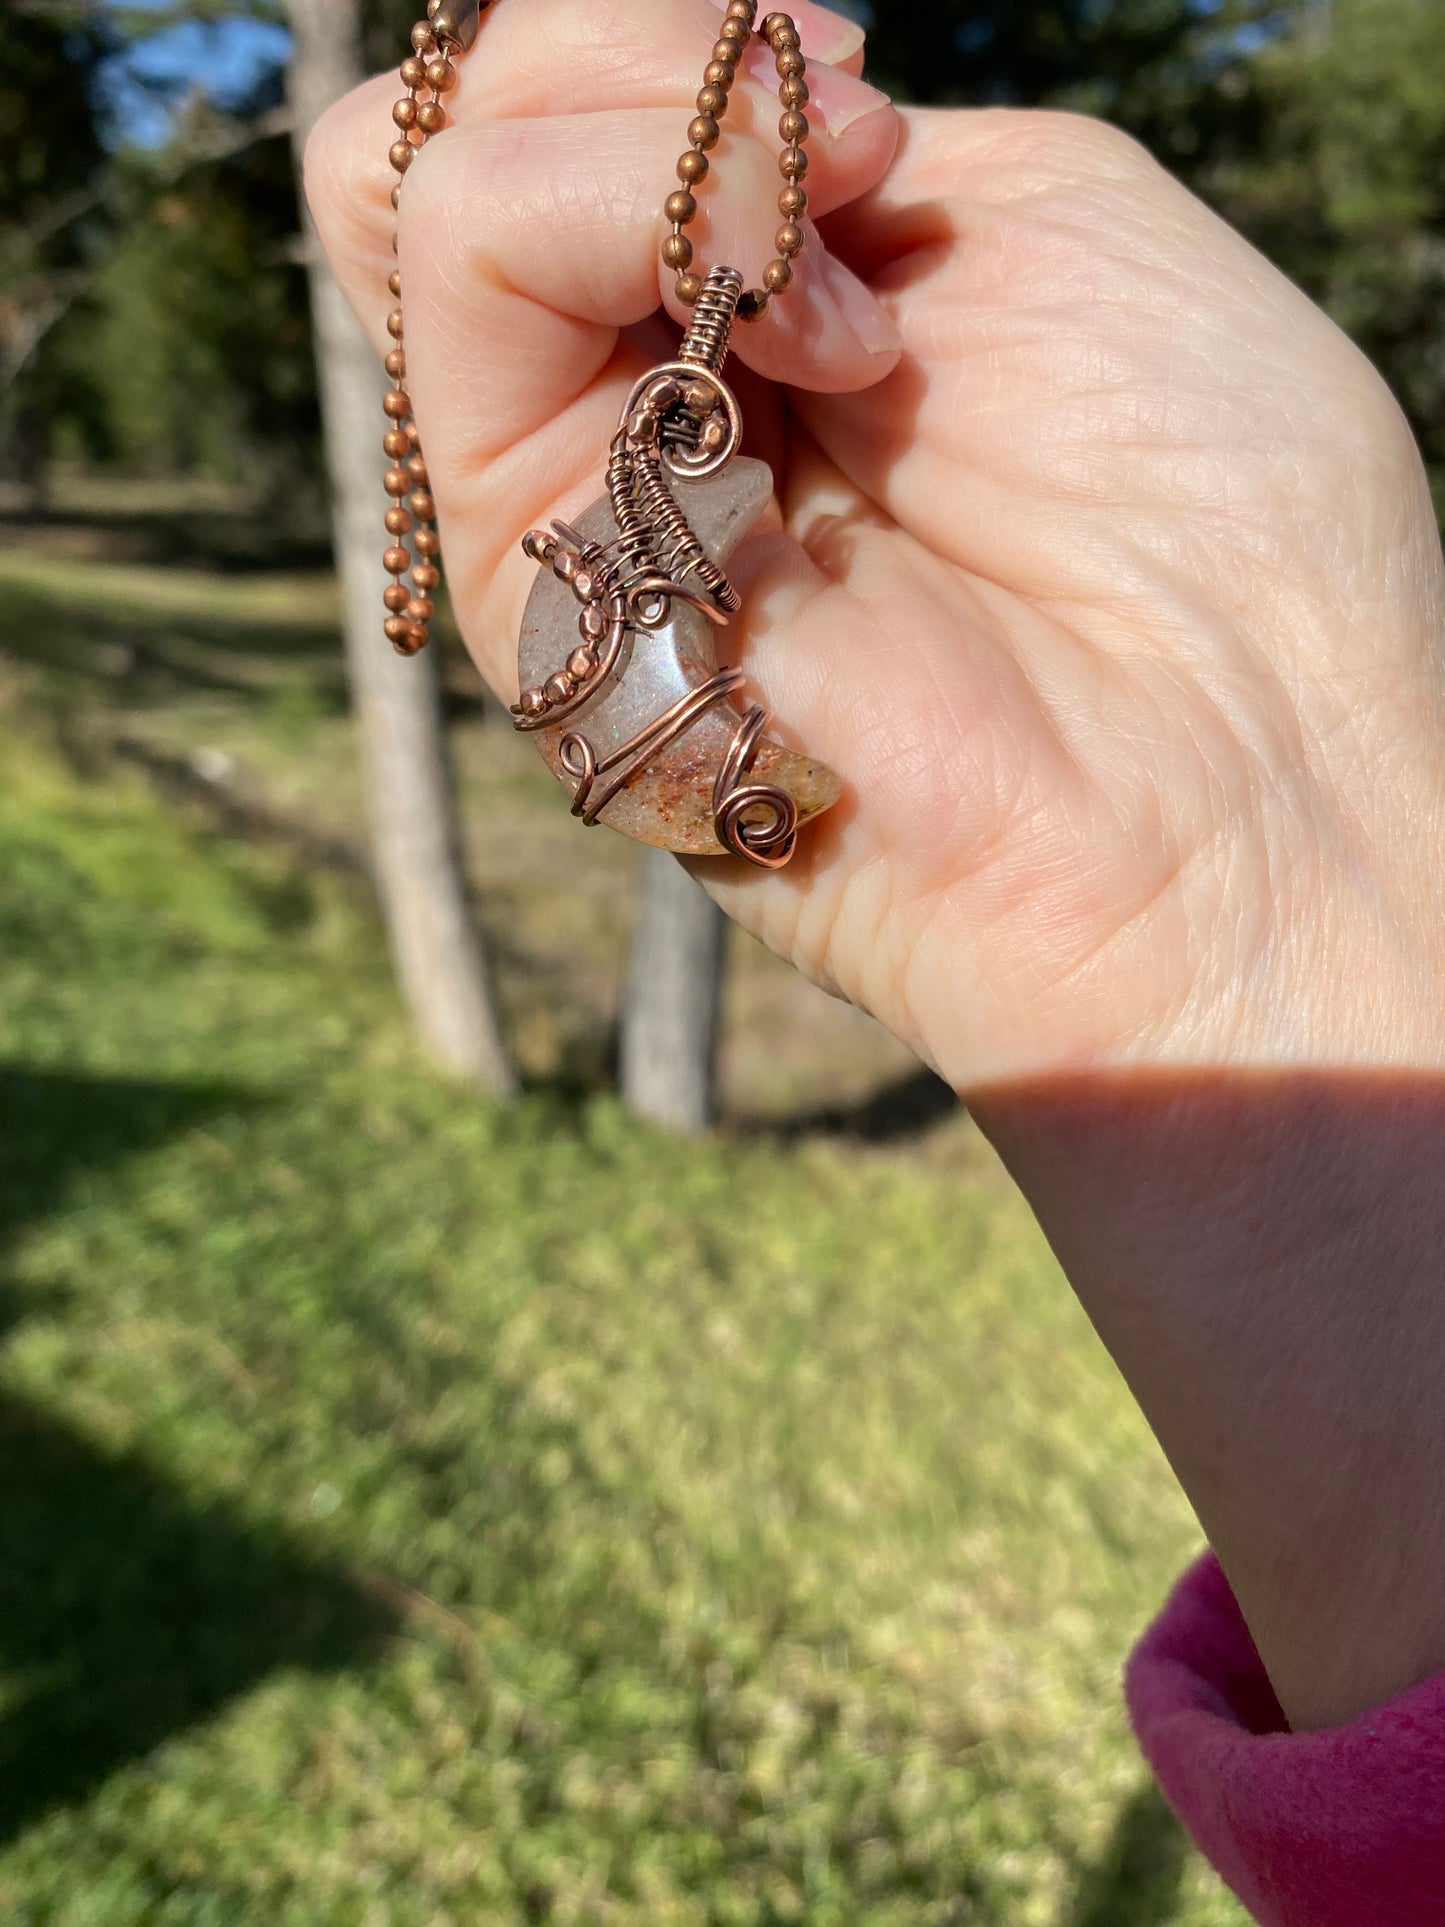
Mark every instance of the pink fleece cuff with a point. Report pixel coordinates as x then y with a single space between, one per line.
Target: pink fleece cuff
1344 1828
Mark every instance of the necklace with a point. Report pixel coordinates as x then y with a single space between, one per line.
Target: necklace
620 685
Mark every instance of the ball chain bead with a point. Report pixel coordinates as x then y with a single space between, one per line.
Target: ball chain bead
441 75
793 162
395 404
790 62
396 198
677 251
703 132
416 467
423 40
413 72
393 282
423 506
687 288
719 73
395 363
421 608
793 126
753 305
396 561
432 117
712 100
691 167
397 631
395 443
728 52
404 112
398 522
401 155
793 200
396 597
789 239
425 576
680 207
734 30
794 91
427 541
396 481
776 276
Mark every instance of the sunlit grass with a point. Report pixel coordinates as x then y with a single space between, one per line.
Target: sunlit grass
424 1513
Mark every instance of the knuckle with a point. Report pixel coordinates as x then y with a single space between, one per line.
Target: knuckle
1050 148
343 170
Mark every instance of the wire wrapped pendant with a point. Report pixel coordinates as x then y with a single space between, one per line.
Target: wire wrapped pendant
617 665
620 683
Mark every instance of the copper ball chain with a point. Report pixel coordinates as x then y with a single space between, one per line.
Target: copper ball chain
680 207
428 74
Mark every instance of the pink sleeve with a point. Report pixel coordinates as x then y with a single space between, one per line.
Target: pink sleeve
1344 1828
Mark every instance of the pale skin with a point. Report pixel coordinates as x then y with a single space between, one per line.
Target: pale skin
1105 572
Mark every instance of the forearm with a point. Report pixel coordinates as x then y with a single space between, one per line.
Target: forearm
1262 1254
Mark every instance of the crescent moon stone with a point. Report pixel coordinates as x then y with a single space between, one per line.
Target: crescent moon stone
669 802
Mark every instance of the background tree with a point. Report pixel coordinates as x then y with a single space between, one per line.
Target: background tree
54 225
416 834
1343 185
672 1006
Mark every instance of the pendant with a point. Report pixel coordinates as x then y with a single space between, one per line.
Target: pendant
620 684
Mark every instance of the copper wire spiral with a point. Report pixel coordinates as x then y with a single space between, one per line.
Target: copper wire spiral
710 330
680 421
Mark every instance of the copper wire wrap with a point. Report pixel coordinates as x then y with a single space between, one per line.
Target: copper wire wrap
780 34
428 74
681 422
679 416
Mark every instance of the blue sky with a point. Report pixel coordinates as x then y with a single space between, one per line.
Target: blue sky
226 57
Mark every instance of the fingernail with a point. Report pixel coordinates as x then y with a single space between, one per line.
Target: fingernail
847 38
861 310
839 99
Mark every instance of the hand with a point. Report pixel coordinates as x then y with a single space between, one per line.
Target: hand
1105 573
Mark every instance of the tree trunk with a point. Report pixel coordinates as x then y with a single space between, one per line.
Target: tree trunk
416 834
671 1014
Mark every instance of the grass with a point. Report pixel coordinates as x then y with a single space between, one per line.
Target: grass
418 1512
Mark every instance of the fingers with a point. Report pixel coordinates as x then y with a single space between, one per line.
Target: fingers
523 251
564 57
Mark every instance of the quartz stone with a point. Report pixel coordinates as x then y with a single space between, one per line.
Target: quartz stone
669 802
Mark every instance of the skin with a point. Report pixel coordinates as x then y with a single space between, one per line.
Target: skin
1104 570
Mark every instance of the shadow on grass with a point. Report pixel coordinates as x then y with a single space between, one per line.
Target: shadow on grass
127 1610
229 541
1137 1879
900 1109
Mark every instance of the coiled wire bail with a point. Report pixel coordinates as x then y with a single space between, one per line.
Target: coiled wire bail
703 433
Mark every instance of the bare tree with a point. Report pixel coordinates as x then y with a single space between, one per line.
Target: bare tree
416 834
673 1005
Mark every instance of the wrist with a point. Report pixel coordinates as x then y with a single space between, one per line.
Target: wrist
1259 1253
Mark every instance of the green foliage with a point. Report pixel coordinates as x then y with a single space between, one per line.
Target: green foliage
423 1513
201 326
1113 58
51 225
1343 187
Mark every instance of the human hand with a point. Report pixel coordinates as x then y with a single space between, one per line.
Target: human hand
1104 572
1111 594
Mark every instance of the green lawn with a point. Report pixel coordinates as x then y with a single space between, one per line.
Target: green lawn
415 1512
